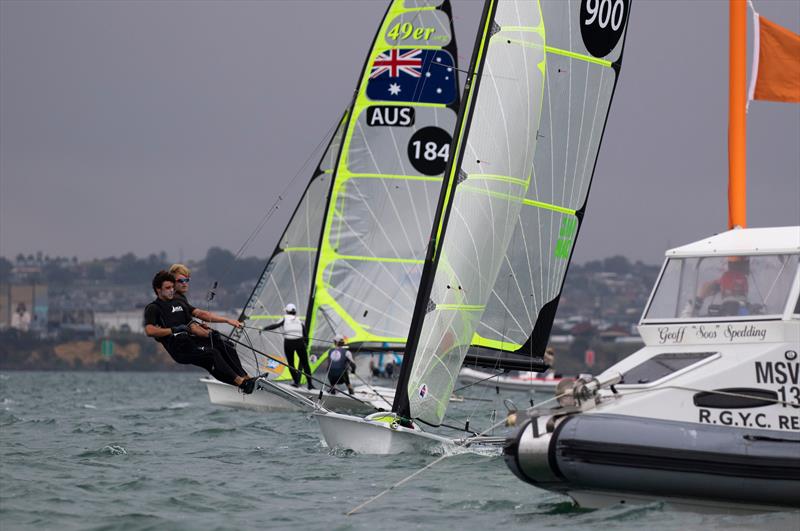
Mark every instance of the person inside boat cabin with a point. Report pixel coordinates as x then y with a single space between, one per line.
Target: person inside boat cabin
169 321
294 342
341 360
731 286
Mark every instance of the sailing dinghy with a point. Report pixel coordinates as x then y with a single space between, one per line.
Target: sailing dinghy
706 416
534 110
287 278
352 254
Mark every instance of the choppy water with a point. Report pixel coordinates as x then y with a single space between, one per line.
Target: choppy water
148 451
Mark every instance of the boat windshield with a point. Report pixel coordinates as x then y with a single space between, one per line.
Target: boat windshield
723 287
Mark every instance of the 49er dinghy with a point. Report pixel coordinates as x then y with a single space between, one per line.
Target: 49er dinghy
287 278
526 142
352 255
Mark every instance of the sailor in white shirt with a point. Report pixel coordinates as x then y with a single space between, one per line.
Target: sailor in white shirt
341 361
294 333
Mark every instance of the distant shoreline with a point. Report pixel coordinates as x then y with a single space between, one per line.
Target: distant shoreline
119 352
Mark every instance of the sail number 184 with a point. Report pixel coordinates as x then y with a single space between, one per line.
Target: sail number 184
430 151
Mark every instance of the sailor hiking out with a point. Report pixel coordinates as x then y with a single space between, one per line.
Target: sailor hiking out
202 334
341 359
294 334
168 320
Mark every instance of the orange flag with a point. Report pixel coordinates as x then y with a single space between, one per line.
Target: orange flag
777 73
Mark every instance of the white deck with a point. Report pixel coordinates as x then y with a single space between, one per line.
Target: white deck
262 399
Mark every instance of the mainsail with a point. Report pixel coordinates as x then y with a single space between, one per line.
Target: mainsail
583 52
288 273
541 81
387 179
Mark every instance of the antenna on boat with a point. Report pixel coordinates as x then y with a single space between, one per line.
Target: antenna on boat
737 117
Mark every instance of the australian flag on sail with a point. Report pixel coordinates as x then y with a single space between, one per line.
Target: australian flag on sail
413 75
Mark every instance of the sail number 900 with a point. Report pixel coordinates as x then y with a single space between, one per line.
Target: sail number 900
603 12
429 150
602 24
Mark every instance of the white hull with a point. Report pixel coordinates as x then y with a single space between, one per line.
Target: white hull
364 436
522 382
264 399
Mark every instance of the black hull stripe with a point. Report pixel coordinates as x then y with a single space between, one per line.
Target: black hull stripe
679 460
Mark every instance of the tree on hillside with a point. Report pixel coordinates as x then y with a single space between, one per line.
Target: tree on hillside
96 271
219 263
55 274
617 264
593 266
132 270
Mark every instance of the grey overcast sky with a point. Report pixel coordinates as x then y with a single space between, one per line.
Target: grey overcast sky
146 126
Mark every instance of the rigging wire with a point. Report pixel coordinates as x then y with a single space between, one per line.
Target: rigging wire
466 442
372 388
275 205
496 375
357 352
281 362
463 442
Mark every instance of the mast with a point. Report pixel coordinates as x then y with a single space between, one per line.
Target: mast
737 119
401 403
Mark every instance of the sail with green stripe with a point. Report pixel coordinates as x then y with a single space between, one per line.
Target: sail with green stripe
502 209
288 273
583 50
387 180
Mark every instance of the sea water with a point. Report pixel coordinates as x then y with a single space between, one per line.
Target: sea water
93 450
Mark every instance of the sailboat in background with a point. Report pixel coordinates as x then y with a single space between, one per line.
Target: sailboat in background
707 415
352 253
287 278
386 181
535 106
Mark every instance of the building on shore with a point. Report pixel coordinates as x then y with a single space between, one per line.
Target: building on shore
24 306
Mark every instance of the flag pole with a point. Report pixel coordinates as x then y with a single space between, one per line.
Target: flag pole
737 119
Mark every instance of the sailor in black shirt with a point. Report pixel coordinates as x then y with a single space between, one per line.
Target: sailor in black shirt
169 322
203 334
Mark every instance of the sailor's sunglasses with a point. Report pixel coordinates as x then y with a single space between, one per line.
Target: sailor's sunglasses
183 280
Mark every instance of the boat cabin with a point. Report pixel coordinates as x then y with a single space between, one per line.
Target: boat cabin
739 275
